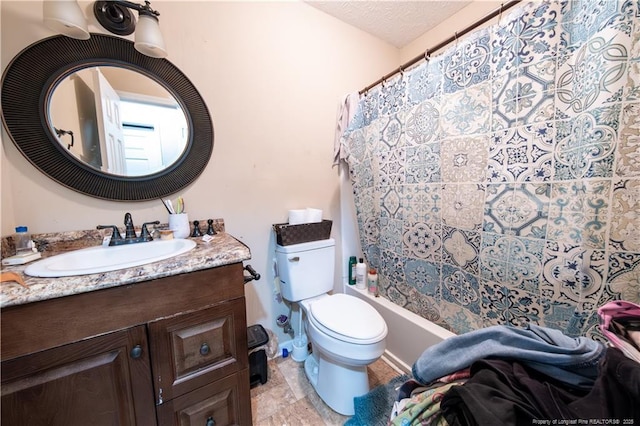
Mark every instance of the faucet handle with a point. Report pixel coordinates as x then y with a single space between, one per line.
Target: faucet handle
210 230
196 229
144 234
115 235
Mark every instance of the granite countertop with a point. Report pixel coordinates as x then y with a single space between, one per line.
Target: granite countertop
222 250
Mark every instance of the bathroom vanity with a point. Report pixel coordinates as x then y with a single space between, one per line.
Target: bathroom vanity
164 343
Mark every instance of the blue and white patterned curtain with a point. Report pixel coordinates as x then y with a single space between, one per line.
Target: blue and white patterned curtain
499 182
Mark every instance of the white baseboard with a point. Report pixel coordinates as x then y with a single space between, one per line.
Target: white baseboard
396 363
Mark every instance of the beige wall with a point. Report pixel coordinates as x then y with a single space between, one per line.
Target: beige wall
271 74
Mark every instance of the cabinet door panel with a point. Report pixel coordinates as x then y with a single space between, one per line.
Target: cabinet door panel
92 382
191 350
217 403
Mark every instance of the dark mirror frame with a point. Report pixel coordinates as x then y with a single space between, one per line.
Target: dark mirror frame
28 83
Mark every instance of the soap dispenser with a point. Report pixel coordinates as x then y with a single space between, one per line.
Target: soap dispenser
25 251
22 240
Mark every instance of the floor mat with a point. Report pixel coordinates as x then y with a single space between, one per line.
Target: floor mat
374 408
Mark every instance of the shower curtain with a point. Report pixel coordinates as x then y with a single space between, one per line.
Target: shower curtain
499 181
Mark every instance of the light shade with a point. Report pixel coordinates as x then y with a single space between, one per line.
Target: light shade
148 38
65 17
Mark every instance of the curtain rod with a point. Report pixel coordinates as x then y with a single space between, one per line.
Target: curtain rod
439 46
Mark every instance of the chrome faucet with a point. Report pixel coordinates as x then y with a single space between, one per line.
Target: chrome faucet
130 236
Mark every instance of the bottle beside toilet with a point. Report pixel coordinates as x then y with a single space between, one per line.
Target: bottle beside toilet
352 270
361 274
372 282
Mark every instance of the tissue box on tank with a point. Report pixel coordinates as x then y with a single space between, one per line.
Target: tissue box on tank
303 233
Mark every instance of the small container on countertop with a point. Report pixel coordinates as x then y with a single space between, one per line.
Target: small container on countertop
166 234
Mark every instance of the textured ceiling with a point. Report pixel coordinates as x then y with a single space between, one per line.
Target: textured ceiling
398 22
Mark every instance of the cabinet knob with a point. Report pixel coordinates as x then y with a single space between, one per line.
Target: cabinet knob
136 352
210 422
204 350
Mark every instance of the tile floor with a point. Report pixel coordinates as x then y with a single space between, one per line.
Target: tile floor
287 398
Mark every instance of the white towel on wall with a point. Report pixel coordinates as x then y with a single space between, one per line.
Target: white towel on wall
346 110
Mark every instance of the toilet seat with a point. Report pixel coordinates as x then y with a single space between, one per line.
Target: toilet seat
347 318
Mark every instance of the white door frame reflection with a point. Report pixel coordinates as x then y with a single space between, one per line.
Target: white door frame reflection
152 126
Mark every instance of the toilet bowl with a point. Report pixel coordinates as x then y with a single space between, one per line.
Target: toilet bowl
346 328
346 333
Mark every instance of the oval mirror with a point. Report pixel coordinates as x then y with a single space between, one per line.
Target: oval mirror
101 118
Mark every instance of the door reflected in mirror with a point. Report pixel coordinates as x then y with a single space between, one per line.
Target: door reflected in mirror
118 121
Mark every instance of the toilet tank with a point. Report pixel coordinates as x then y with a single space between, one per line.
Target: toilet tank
306 269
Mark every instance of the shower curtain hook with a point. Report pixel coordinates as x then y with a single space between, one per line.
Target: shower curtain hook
427 55
500 15
384 80
456 38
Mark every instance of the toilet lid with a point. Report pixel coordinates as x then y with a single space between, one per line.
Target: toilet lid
348 316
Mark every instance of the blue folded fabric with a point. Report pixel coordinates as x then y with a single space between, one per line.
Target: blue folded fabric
573 361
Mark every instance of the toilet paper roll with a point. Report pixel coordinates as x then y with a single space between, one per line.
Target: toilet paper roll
313 215
296 217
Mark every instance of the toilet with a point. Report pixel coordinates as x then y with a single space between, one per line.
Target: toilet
346 333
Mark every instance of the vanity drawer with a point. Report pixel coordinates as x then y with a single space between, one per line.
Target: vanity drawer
193 349
220 403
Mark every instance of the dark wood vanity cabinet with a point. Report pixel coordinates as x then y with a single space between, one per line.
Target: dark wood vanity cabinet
171 351
93 382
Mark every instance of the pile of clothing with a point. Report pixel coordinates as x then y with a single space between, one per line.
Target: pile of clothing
505 375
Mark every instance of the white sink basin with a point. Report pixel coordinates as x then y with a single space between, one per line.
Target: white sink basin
94 260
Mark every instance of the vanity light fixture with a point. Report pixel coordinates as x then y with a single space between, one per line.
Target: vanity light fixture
115 16
66 17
